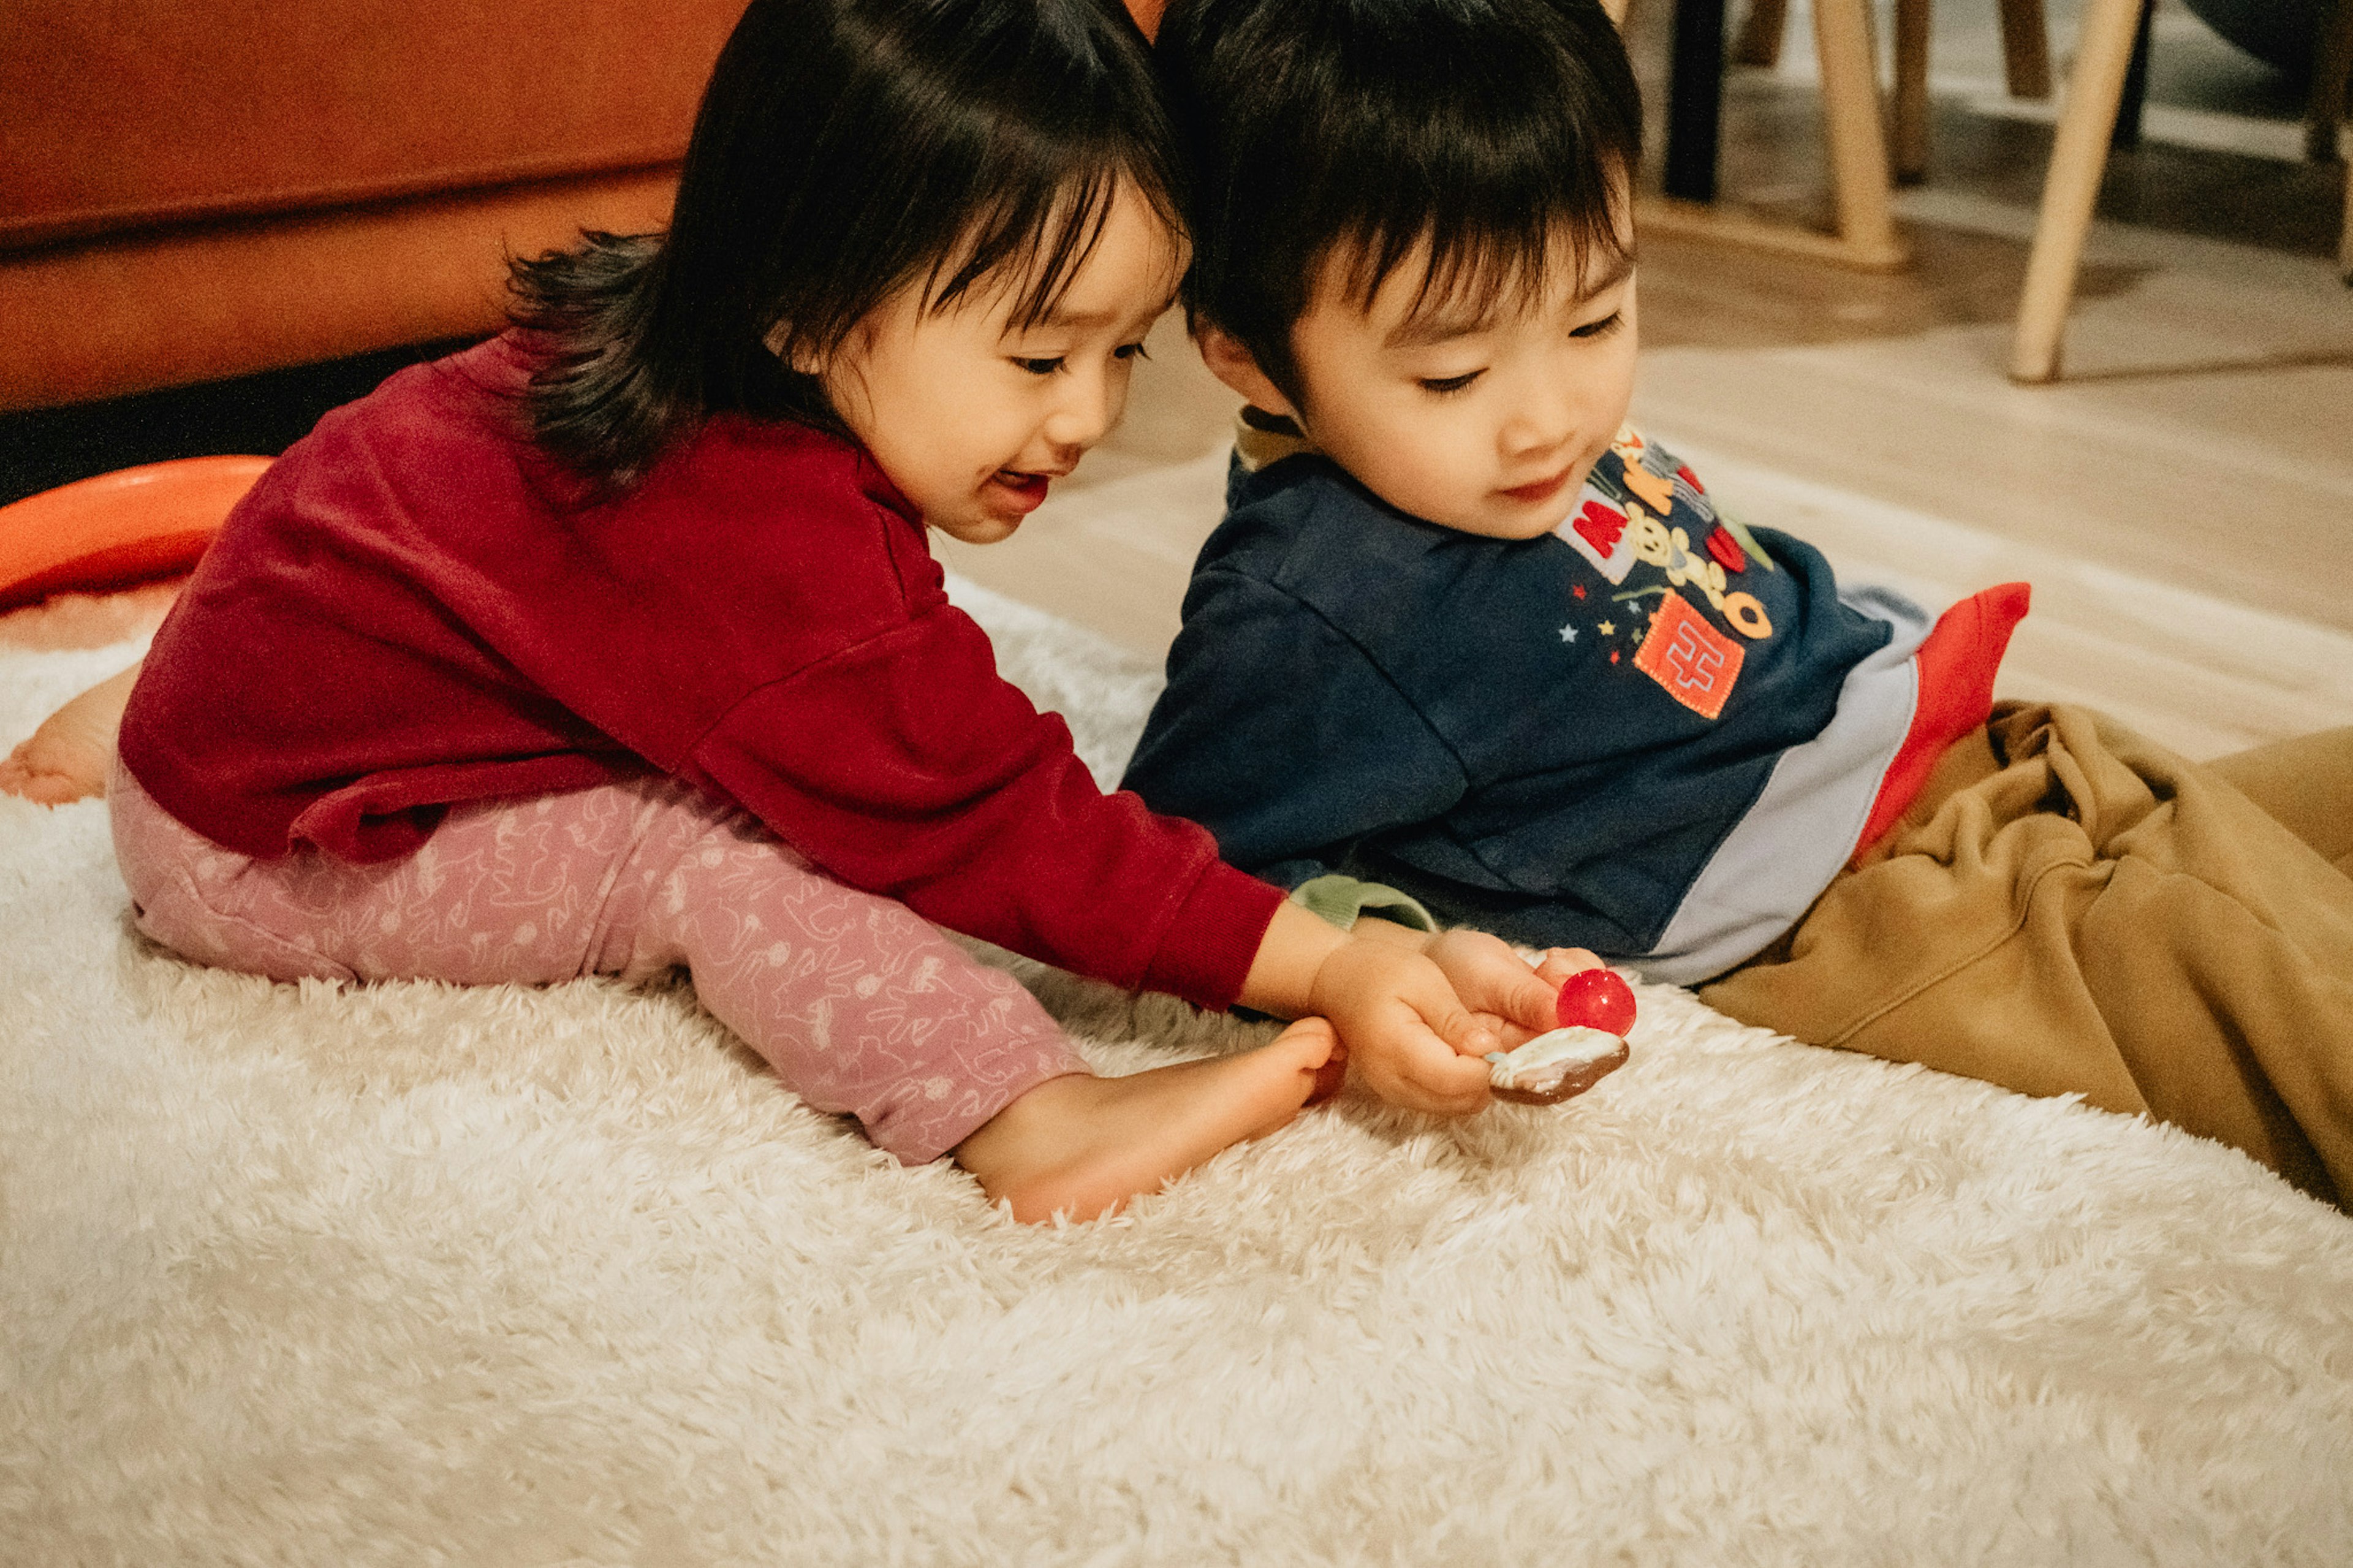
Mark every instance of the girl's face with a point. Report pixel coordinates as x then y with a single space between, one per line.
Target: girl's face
973 415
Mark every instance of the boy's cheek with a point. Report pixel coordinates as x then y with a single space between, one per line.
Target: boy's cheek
1416 483
1431 455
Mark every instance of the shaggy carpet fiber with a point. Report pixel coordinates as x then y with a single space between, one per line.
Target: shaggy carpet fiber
410 1274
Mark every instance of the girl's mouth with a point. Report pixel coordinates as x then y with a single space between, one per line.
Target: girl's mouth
1021 492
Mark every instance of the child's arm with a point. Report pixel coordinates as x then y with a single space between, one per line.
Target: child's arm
66 758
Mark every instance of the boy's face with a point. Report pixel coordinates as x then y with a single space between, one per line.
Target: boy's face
1483 421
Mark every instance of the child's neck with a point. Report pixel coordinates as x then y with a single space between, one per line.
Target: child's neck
1258 418
1266 438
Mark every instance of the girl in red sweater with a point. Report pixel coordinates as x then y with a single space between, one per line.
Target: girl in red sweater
615 643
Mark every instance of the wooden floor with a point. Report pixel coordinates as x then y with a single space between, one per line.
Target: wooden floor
2183 501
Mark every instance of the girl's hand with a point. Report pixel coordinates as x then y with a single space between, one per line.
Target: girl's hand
1407 1034
1400 1024
1415 1013
1502 991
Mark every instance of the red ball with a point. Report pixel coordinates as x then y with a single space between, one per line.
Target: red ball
1596 999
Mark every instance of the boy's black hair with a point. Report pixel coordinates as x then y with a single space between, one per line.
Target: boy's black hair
1359 129
844 148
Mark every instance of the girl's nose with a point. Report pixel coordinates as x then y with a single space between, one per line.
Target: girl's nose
1085 413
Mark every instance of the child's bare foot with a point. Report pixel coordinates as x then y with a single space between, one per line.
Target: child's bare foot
66 758
1082 1146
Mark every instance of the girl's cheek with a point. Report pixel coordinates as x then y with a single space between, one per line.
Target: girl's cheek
1115 392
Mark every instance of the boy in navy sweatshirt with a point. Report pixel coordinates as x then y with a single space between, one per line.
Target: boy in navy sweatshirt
1468 646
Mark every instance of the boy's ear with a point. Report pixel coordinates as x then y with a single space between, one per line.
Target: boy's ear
802 360
1235 366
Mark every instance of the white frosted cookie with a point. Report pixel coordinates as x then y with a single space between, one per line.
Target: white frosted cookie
1556 1067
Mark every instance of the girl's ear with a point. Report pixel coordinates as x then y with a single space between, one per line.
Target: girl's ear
1235 366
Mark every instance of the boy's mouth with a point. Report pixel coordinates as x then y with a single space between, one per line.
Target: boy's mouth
1021 492
1541 489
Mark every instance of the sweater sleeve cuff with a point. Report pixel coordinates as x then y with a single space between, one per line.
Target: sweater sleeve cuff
1341 900
1207 953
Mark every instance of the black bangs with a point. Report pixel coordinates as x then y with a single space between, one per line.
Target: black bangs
983 146
845 150
1351 133
1036 241
1479 157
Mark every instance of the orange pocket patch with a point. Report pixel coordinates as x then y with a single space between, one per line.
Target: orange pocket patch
1696 663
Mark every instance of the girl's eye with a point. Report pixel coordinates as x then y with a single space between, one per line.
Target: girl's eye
1040 367
1130 351
1442 384
1600 329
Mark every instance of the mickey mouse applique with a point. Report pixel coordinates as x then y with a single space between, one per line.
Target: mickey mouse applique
1640 508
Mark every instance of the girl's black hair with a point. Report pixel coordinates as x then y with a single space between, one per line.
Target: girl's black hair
845 148
1362 128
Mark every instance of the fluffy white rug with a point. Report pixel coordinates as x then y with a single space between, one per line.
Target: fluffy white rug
411 1274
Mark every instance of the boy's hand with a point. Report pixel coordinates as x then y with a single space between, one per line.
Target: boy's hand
1496 983
1558 964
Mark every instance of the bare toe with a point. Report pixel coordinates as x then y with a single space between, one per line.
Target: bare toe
1319 1053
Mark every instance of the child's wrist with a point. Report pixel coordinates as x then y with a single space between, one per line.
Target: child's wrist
1372 928
1362 965
1284 974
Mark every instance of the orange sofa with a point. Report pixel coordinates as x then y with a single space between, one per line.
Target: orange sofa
192 189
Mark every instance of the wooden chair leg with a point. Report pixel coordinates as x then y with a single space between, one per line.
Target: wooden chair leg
2332 64
2345 245
2025 49
1850 112
1866 237
2132 102
2332 85
2079 155
1913 22
1759 43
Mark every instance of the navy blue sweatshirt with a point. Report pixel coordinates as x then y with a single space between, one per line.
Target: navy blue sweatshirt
1650 733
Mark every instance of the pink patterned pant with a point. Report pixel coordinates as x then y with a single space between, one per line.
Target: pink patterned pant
860 1005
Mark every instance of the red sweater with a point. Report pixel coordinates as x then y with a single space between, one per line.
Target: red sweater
404 614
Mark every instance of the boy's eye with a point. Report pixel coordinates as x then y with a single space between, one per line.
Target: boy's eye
1040 367
1442 384
1600 329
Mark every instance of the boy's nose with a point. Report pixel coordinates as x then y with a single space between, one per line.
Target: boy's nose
1534 432
1545 417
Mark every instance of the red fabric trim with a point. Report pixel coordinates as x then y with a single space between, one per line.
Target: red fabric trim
1957 666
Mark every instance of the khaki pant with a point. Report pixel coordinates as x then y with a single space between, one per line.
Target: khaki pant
2069 907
